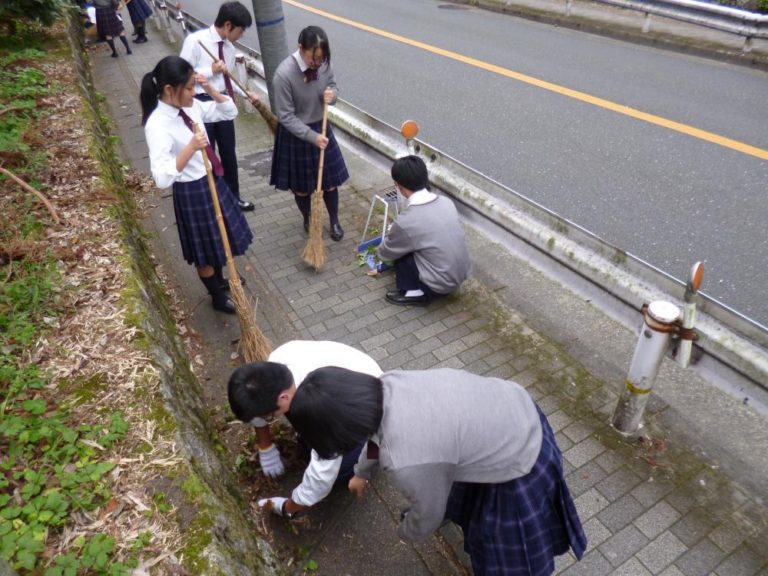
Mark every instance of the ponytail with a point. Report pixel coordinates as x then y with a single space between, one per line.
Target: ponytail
171 71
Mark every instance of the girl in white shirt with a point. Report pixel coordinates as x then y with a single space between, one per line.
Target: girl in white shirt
169 114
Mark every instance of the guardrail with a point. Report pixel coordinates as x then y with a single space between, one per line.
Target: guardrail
725 18
725 336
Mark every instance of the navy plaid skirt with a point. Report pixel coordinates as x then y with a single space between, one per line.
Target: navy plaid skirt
295 162
139 11
107 22
199 234
518 527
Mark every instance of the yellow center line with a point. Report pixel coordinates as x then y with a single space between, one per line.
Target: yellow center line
556 88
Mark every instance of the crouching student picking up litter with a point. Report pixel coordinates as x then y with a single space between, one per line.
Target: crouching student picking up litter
260 392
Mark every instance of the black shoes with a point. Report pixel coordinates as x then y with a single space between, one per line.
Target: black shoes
337 232
400 299
246 206
140 40
226 306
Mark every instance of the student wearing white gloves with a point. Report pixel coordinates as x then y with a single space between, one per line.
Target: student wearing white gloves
260 392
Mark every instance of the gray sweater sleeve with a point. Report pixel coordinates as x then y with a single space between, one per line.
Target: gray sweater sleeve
396 244
426 487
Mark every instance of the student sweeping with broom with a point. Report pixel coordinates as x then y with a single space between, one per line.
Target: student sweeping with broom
170 113
303 85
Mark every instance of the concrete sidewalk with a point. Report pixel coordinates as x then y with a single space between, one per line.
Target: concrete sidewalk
651 504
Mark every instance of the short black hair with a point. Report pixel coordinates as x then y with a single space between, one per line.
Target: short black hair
314 37
334 410
253 388
234 13
411 173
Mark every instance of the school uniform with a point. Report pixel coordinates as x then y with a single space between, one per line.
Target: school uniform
108 22
299 105
479 452
221 133
139 11
167 135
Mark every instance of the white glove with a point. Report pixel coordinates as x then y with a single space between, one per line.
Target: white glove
270 461
274 504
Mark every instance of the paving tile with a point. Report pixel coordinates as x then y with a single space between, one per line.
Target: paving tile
596 532
558 420
661 552
589 504
692 527
584 478
631 567
743 562
621 512
617 484
700 559
623 545
449 350
584 451
593 564
730 534
652 490
657 519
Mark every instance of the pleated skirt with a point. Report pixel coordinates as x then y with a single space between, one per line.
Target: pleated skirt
139 11
295 162
107 22
199 235
518 527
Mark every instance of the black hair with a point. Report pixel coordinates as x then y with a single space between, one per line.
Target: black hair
171 70
411 173
314 37
335 409
253 388
234 13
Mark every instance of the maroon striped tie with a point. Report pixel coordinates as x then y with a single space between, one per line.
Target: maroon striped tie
227 81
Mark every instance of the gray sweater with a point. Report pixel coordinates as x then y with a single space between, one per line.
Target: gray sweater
300 103
432 232
445 426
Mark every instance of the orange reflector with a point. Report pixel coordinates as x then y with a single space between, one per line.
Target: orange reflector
409 129
697 274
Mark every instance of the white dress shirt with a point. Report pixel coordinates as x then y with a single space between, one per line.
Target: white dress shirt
202 62
302 357
167 135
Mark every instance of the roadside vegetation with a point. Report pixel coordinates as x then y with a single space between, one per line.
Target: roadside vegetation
77 452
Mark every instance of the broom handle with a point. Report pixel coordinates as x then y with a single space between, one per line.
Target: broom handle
217 210
235 80
319 188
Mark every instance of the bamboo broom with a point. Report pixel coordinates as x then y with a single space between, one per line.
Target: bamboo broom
263 109
314 251
253 344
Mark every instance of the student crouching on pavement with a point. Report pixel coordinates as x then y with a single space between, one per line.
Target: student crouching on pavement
426 241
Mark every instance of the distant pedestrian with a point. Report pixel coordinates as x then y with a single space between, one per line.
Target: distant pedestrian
303 82
232 20
426 241
474 450
109 25
170 112
139 11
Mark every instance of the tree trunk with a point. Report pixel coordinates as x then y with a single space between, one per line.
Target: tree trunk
270 26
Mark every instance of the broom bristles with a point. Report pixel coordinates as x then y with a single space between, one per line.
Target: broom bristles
254 345
314 251
267 115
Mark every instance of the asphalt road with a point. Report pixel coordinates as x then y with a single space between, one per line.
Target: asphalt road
651 187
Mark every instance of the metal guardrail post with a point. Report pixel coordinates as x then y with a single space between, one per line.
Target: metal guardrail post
659 322
689 315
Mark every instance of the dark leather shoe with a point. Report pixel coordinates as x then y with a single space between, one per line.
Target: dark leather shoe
227 306
337 232
246 206
399 299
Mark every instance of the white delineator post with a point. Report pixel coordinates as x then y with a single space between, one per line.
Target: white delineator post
659 323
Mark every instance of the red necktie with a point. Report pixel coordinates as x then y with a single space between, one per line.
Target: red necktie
227 81
218 169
